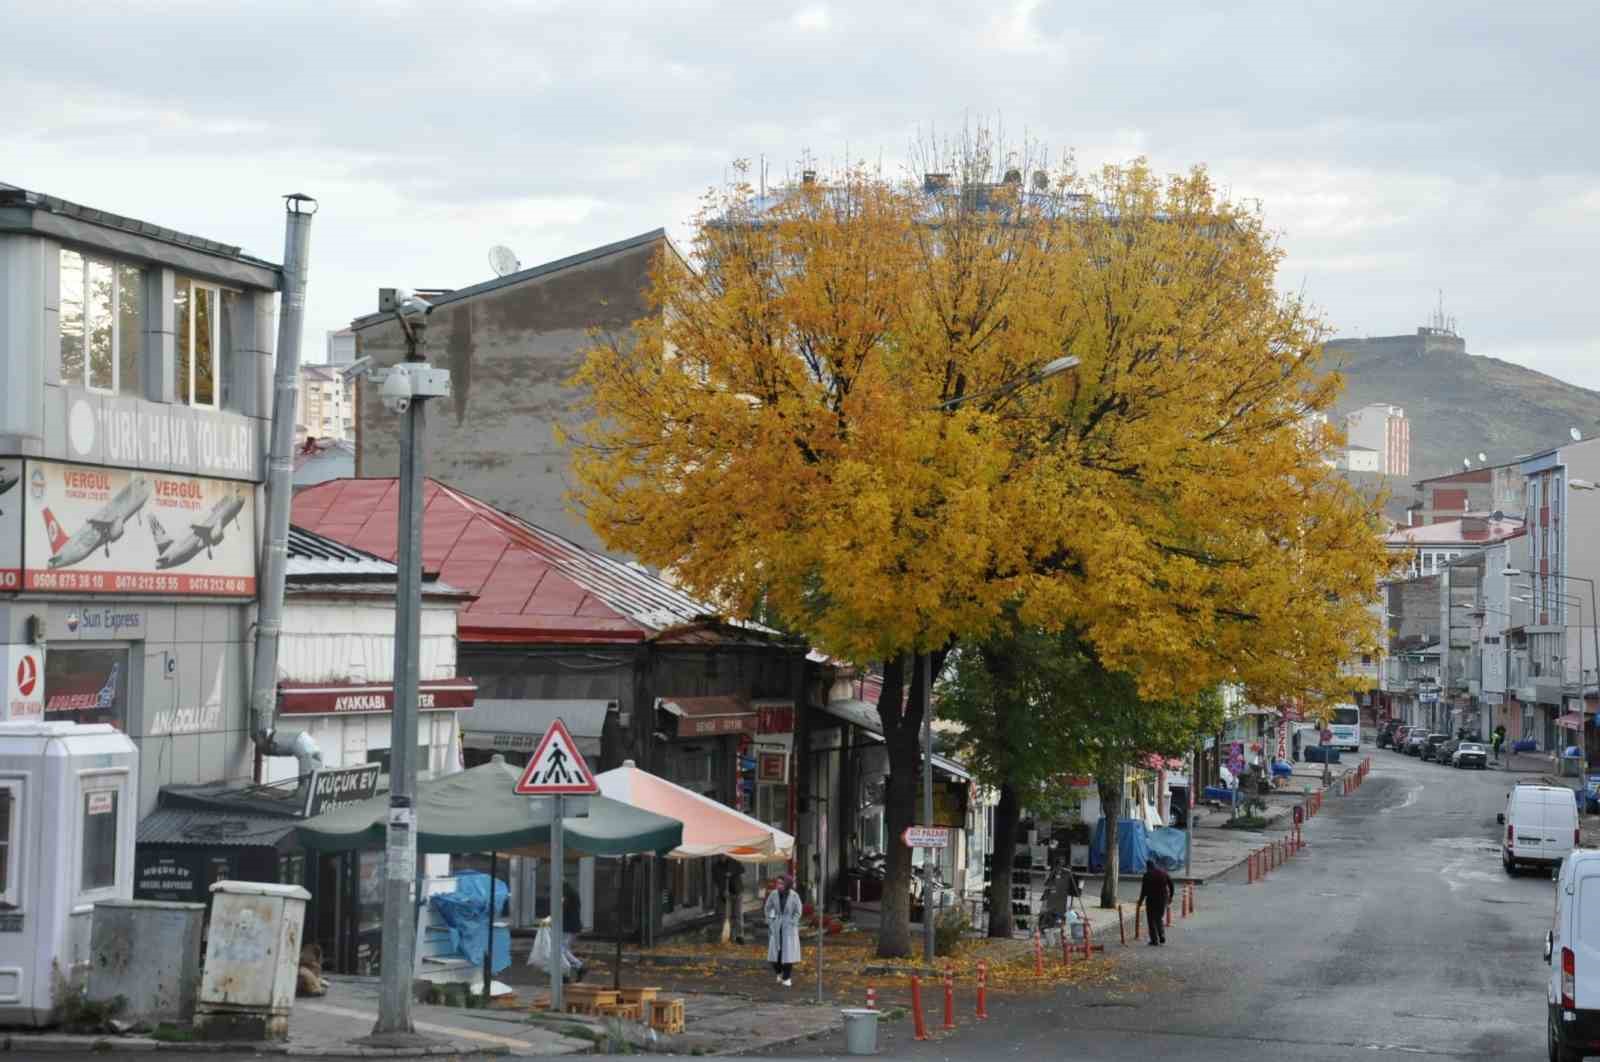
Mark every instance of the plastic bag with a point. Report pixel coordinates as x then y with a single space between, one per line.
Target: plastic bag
539 954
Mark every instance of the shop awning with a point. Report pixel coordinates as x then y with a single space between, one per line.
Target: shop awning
865 715
476 811
517 725
709 828
1571 721
711 716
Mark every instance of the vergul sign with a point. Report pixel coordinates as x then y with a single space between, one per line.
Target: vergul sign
118 531
326 698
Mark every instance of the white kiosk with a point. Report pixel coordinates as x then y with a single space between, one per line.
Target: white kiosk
69 797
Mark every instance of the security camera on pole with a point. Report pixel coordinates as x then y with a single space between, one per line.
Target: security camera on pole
405 388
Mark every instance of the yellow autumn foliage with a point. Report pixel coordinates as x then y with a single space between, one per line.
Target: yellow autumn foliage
837 413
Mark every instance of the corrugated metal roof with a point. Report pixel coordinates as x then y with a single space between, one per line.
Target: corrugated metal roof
532 585
12 196
173 826
315 556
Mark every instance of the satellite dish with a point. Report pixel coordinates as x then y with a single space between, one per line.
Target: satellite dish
1483 459
1577 436
503 260
1466 462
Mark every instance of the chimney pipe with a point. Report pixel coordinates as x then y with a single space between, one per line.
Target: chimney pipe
280 473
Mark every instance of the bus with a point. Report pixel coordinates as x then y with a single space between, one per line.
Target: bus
1345 723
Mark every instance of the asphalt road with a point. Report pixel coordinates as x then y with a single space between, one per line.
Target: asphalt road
1394 934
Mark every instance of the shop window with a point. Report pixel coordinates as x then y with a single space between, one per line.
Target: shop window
101 322
86 686
99 840
9 871
203 316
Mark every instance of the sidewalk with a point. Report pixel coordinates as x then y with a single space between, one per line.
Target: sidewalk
331 1026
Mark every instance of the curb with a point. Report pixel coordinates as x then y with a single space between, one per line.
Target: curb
782 1041
60 1043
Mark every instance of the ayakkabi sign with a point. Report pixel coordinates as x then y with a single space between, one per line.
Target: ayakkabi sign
118 531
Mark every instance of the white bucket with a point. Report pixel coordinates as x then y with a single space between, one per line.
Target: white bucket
860 1031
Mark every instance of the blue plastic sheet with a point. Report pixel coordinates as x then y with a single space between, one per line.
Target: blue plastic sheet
1221 793
1282 769
1166 847
1132 846
466 913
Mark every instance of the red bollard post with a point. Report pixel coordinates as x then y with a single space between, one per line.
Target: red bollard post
1169 916
1088 939
1138 910
1194 898
949 999
1122 927
872 998
983 989
917 1019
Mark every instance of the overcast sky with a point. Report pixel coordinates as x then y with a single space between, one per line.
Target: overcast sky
1400 147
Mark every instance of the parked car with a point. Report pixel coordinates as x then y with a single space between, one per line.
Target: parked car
1386 733
1447 750
1430 747
1573 1000
1470 754
1415 741
1541 823
1398 743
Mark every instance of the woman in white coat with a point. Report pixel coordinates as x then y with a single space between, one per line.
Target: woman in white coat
784 912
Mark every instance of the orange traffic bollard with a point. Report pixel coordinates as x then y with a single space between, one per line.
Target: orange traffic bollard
983 989
1138 910
916 1009
872 998
949 998
1169 916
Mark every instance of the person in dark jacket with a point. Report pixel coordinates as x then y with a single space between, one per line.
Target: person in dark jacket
1156 891
571 926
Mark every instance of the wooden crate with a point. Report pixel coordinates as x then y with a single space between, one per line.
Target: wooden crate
666 1015
584 999
642 997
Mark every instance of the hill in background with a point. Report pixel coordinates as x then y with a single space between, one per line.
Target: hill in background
1459 404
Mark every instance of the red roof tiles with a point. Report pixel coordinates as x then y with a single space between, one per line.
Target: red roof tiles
531 584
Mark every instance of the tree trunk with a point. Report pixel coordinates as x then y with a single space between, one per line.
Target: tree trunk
902 726
1109 783
1006 816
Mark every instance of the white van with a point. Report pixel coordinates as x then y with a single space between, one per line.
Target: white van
1572 949
1541 824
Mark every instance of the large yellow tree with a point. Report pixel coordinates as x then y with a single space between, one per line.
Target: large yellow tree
838 413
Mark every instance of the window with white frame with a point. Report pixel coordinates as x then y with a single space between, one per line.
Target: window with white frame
202 318
10 868
101 322
100 840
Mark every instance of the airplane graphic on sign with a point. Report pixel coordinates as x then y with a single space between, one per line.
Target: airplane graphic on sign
557 768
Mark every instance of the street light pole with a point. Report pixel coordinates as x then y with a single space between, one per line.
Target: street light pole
405 390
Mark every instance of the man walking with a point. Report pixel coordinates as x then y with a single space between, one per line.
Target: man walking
1156 891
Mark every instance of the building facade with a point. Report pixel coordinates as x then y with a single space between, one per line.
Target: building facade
325 406
512 345
1384 429
1472 492
137 365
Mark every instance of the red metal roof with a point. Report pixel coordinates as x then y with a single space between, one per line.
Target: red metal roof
532 585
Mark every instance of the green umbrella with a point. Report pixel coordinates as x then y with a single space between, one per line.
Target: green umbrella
476 811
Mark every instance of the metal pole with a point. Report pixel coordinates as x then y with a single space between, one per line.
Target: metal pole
925 673
394 1000
488 950
557 899
280 475
822 892
1188 819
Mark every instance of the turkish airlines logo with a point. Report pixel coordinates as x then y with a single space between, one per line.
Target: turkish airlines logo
27 676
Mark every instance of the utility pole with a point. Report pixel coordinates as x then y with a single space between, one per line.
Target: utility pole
925 675
405 390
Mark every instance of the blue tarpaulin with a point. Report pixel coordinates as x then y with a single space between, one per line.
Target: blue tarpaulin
1132 847
1166 847
466 912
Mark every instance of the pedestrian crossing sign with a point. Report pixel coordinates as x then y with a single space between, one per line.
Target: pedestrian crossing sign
557 768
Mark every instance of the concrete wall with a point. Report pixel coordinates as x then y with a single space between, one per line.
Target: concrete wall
511 353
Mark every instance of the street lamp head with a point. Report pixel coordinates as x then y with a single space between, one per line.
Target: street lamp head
1511 572
1057 366
1580 484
